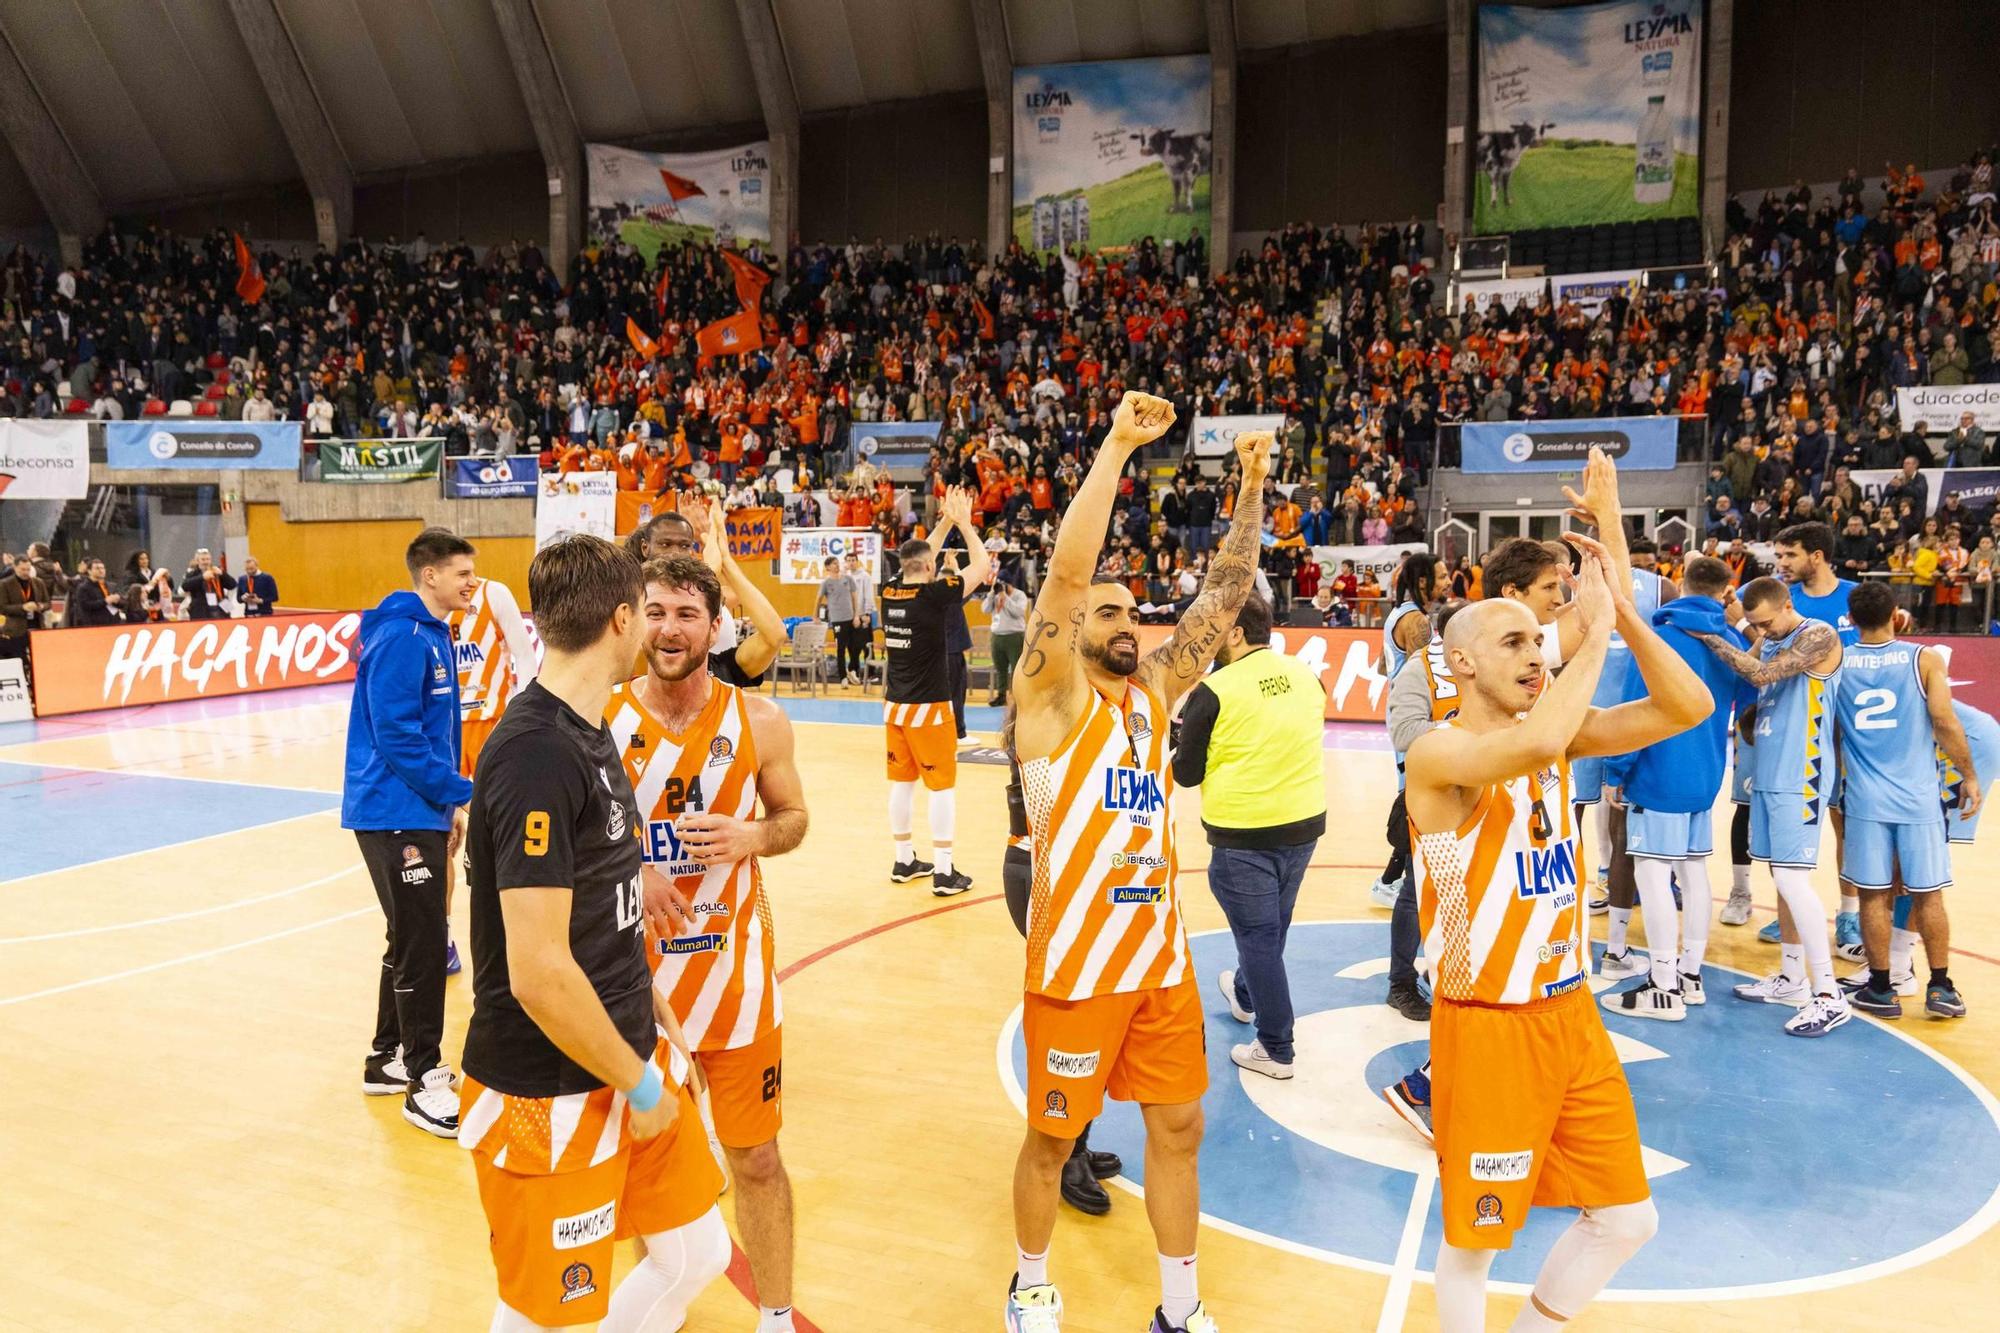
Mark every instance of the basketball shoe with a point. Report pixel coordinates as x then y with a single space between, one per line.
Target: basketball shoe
384 1074
1847 937
1410 1098
432 1103
1736 912
905 871
1033 1309
1818 1016
1198 1322
1646 1000
1774 989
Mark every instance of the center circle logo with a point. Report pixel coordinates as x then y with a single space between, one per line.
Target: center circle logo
162 445
1518 447
1319 1165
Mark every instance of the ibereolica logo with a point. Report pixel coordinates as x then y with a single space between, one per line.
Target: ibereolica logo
1564 445
1319 1166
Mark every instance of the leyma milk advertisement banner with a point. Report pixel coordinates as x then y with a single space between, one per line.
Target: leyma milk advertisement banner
1590 114
655 199
1109 152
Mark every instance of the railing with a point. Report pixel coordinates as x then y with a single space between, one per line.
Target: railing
1929 614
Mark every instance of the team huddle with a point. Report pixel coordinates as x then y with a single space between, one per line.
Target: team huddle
623 1065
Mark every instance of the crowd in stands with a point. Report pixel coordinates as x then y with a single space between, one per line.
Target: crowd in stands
1822 306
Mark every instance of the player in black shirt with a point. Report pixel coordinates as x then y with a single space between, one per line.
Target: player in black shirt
918 607
575 1103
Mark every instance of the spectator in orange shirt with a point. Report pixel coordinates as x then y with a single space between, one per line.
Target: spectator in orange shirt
1285 520
730 457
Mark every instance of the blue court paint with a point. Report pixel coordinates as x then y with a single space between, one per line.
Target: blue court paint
73 817
1757 1139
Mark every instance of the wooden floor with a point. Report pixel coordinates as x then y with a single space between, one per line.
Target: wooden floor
182 1027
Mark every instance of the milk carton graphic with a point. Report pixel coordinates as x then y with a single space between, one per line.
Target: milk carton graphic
1653 169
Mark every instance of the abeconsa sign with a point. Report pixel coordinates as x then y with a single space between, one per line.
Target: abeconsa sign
122 666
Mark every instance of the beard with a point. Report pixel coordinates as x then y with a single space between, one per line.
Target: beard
678 666
1118 655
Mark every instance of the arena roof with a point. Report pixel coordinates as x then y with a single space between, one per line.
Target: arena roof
162 101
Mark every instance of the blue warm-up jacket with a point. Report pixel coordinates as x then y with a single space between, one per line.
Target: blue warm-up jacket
1684 773
402 727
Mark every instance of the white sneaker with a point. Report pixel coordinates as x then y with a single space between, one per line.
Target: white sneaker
432 1105
1774 989
1253 1057
383 1075
1736 912
1227 980
1818 1016
1647 1001
1904 983
1383 894
1692 992
1618 966
1034 1310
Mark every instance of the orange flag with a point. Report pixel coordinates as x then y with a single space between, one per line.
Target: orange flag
660 291
641 344
731 337
751 279
985 318
680 187
250 282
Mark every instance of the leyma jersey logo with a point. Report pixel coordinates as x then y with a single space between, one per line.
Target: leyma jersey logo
1746 1155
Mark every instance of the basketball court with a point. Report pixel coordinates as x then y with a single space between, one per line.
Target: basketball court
188 946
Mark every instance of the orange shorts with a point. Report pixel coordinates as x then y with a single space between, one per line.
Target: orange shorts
928 750
552 1234
746 1090
1530 1107
1148 1046
471 740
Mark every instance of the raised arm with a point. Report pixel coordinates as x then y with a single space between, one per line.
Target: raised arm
755 653
1950 733
1675 697
1174 668
958 514
1049 667
1817 648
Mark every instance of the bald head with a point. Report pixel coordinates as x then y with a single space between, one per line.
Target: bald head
1495 649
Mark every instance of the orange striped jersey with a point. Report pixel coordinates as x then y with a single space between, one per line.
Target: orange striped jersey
491 643
1103 918
719 976
917 716
1444 687
545 1136
1498 895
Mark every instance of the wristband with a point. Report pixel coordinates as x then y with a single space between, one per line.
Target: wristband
647 1095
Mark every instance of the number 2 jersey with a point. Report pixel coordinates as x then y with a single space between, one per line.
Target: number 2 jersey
719 975
552 809
1498 895
1888 750
1103 917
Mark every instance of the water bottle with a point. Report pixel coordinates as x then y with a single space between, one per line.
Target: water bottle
1653 170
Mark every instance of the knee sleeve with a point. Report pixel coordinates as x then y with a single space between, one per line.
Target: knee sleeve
902 807
1629 1225
506 1319
944 814
1461 1289
655 1295
1586 1256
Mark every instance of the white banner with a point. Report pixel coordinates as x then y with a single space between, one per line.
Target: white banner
1381 561
1503 292
1588 291
1215 437
654 199
14 704
1935 409
804 552
576 502
44 460
1589 113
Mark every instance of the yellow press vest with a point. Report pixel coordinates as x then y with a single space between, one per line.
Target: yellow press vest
1265 751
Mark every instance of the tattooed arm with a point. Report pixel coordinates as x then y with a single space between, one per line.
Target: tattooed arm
1177 665
1816 649
1049 669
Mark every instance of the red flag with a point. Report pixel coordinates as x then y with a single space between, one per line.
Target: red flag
985 318
680 187
751 279
660 293
731 337
250 282
641 344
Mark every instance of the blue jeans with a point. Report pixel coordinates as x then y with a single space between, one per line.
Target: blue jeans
1405 932
1257 890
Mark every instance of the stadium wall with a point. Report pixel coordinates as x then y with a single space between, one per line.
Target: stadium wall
1818 86
895 170
1345 131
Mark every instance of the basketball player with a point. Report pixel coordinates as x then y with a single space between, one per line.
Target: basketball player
1085 1169
1532 1103
740 661
702 756
1669 790
1894 703
495 659
1804 554
1795 668
1405 631
1111 999
918 607
575 1105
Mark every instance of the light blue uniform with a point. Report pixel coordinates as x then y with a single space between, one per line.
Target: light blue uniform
1794 762
1393 657
1982 733
1833 609
1887 752
1588 774
1742 764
